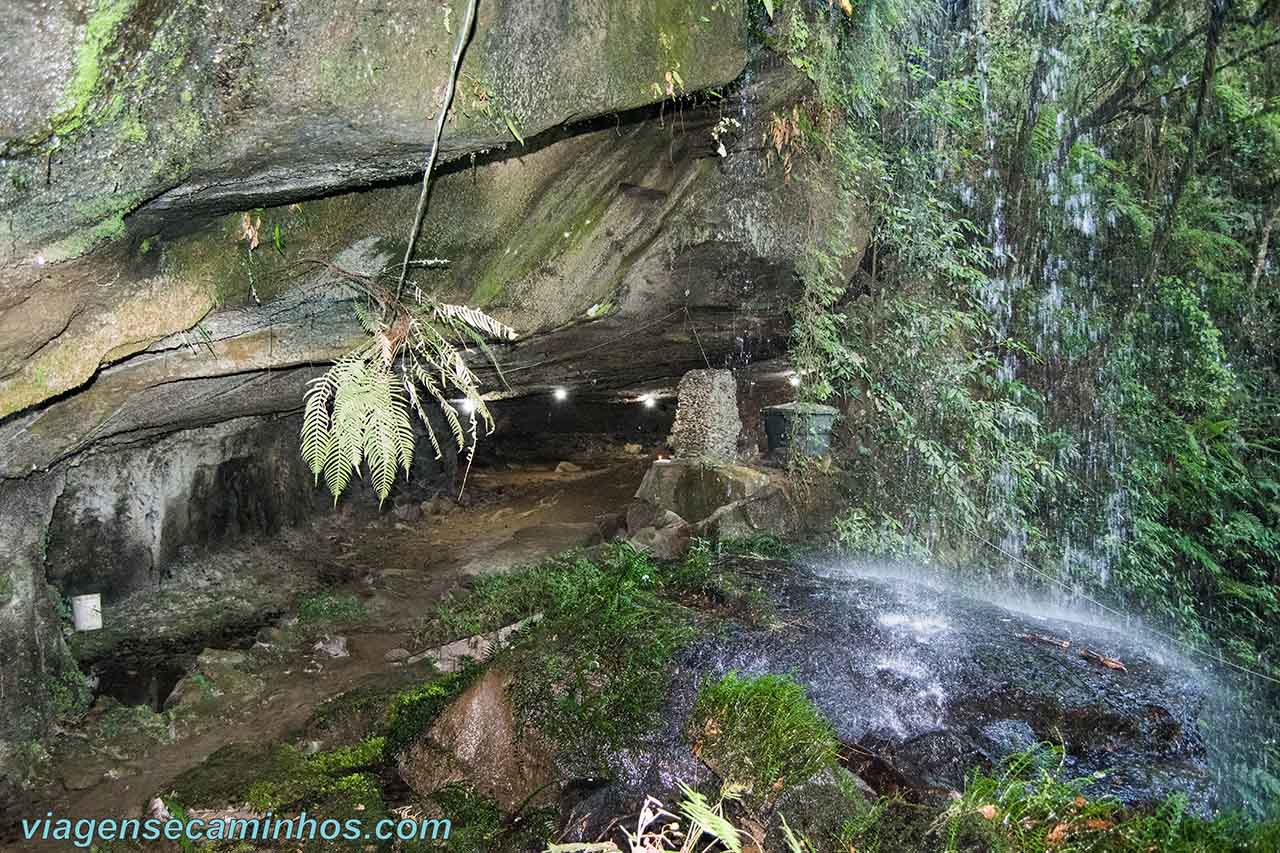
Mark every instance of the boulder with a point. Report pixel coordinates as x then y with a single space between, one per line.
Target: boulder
694 489
768 511
611 526
707 422
476 740
643 513
930 682
925 683
217 675
664 543
334 647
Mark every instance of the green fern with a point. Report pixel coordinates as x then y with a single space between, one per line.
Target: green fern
359 413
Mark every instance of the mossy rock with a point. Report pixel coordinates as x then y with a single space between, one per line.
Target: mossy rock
818 808
351 717
222 778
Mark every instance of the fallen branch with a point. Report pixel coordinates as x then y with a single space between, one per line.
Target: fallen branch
1109 663
1041 638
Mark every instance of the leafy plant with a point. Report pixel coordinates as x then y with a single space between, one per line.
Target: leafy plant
760 734
1027 804
359 412
327 607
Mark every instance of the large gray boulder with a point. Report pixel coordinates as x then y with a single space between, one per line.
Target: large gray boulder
694 489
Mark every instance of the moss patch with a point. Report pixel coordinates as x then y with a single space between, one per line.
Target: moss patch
411 712
86 82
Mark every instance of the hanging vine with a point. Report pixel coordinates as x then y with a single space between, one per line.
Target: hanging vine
360 412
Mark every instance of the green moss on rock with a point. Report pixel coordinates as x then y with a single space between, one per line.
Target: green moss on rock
86 81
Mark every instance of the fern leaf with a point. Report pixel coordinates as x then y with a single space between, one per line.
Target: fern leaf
709 820
379 442
477 320
455 425
317 440
412 394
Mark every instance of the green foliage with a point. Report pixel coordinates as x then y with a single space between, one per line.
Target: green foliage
367 753
594 668
411 712
476 823
1027 805
325 608
322 783
762 734
360 411
1059 340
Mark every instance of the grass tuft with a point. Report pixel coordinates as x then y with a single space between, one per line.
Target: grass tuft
763 734
327 608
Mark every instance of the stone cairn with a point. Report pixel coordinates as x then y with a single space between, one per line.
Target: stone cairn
707 422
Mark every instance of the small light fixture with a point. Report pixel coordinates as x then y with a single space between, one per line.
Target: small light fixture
39 260
466 406
794 379
560 395
648 401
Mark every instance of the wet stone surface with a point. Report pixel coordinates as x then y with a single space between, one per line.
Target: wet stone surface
922 685
931 681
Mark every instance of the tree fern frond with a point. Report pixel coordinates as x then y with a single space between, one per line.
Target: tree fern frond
455 425
477 320
422 414
359 413
316 438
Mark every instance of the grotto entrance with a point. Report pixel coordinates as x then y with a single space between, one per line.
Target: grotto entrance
245 642
246 634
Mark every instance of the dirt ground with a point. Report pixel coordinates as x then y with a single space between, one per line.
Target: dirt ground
399 568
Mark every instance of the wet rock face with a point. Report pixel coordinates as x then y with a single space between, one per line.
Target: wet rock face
35 659
123 515
932 682
209 109
924 685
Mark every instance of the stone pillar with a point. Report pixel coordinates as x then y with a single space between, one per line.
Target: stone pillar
707 422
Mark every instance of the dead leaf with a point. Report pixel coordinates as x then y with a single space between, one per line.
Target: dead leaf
1097 824
846 7
1057 835
249 228
988 811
